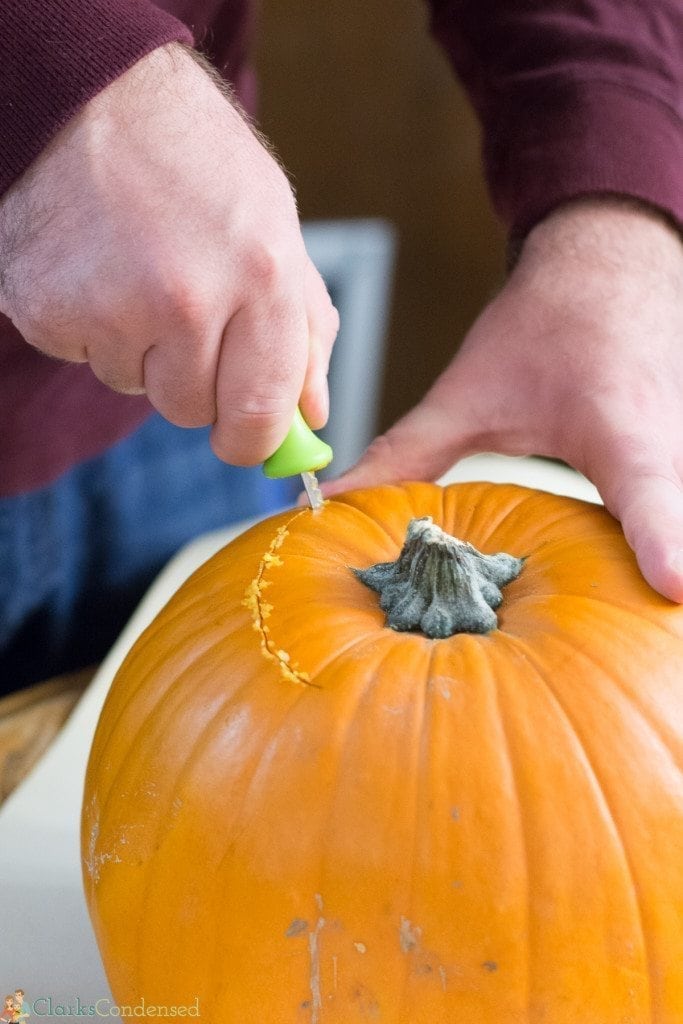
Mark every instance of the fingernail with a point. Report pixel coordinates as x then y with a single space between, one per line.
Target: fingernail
324 401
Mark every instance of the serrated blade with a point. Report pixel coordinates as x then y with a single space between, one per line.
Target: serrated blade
312 488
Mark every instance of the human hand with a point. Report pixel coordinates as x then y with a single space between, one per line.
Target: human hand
157 239
580 357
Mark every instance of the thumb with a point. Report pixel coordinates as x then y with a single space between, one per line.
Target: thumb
649 505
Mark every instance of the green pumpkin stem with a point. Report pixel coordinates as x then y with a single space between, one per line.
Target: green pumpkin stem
440 585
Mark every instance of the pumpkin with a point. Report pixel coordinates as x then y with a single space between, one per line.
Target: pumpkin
296 813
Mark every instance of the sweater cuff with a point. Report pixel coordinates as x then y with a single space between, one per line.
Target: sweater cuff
585 139
55 55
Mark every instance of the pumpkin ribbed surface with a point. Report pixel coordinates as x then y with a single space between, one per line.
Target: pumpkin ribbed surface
295 814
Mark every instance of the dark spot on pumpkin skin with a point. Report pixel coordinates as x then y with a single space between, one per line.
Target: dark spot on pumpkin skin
367 1004
306 1004
297 927
490 965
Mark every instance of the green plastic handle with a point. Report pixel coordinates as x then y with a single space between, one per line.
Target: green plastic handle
302 451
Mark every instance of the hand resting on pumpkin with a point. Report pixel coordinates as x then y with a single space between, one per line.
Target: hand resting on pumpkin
579 357
157 239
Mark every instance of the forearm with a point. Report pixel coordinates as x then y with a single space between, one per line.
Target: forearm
574 98
55 55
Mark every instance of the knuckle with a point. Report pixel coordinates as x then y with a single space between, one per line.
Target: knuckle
390 460
246 426
188 304
267 265
382 450
257 412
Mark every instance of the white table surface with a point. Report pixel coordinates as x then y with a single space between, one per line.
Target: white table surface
48 948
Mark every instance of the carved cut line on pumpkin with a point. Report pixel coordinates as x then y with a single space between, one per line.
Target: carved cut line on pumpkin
261 609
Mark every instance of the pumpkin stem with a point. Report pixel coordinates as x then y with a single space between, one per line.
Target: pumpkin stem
440 585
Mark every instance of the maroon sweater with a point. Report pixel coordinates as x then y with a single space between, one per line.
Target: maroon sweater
574 96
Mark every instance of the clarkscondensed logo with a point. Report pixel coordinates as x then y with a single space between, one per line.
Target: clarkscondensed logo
18 1010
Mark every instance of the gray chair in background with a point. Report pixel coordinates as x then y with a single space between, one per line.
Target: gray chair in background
356 260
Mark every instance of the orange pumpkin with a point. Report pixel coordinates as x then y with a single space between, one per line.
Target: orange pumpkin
296 814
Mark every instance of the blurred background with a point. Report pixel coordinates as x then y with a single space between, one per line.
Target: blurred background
370 122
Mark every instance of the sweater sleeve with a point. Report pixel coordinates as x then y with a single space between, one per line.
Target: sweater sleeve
55 55
575 97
